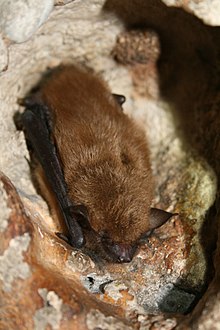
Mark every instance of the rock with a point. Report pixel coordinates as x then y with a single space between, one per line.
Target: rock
3 55
20 19
5 211
172 90
62 2
50 313
207 10
96 320
26 292
12 265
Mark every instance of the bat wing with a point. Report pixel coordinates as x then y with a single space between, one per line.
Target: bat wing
36 123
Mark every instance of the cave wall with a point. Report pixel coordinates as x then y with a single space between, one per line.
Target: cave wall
165 61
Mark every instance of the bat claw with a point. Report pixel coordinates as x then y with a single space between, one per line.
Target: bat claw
77 243
63 237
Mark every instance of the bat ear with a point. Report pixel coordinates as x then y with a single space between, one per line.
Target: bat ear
119 98
158 217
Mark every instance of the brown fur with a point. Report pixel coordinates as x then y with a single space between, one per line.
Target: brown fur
104 154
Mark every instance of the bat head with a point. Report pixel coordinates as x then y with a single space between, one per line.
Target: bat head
118 210
118 252
124 252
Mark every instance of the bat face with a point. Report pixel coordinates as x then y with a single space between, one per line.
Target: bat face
119 211
118 252
96 161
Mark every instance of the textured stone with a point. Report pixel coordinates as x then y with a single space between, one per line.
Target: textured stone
5 211
12 265
97 320
62 2
207 10
50 314
20 19
3 55
181 117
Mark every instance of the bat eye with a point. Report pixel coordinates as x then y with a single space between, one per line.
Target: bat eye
125 158
119 98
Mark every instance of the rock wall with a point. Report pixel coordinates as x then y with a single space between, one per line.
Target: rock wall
166 62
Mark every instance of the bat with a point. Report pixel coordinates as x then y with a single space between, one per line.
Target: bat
95 159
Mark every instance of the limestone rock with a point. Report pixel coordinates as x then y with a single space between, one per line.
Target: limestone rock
169 76
62 2
20 19
207 10
3 55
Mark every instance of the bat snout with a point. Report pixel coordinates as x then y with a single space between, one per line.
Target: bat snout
125 257
119 252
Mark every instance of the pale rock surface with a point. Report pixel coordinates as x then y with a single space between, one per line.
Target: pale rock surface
169 272
20 19
206 10
3 55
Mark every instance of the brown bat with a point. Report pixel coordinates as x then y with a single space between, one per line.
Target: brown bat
96 160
